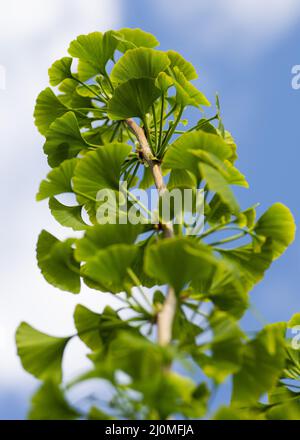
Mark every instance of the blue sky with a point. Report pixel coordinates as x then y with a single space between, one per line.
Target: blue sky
243 49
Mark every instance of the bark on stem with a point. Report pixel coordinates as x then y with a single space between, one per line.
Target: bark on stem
166 316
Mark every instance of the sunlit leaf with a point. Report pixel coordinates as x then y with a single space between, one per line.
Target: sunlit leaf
139 63
69 216
60 70
64 140
49 403
57 264
133 98
93 50
40 354
48 107
58 181
278 224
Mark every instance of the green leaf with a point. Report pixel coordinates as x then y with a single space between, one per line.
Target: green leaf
58 180
278 224
139 63
187 93
226 348
217 183
224 289
98 330
164 82
49 403
295 320
100 169
177 261
41 355
181 179
284 404
60 70
48 108
108 268
263 361
181 153
184 66
69 216
132 38
232 175
133 99
103 235
57 264
250 265
64 140
93 50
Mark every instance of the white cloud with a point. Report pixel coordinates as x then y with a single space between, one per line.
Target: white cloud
33 33
248 25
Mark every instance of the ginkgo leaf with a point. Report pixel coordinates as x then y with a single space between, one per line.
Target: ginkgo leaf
60 70
164 82
232 175
93 50
100 169
101 236
132 38
224 289
97 330
183 65
64 140
264 354
249 264
139 63
181 179
48 107
277 223
177 261
56 262
58 181
226 348
187 93
40 354
69 216
49 403
70 97
133 98
180 154
108 268
217 183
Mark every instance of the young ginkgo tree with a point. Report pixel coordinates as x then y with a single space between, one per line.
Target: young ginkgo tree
114 122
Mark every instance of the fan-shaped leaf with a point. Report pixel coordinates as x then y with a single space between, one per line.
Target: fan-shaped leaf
48 107
60 70
40 354
49 403
264 354
132 38
184 66
139 63
57 264
101 236
178 261
278 224
133 98
93 50
180 154
69 216
108 268
64 140
100 169
58 180
217 183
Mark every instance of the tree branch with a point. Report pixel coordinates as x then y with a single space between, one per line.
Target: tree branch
166 316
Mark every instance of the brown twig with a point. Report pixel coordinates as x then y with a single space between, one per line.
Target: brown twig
166 316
